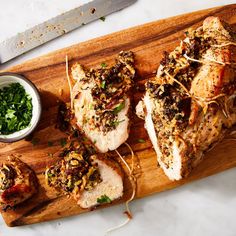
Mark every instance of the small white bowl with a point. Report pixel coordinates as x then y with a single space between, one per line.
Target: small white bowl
9 78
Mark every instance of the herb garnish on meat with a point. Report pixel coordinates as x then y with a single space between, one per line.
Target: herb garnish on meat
104 199
109 88
119 108
74 173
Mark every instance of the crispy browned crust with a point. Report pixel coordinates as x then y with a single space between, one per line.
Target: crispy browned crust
19 193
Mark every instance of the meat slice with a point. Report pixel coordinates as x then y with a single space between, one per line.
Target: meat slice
190 105
101 102
17 183
90 179
111 185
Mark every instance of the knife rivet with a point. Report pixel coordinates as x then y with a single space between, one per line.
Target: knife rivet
92 10
22 43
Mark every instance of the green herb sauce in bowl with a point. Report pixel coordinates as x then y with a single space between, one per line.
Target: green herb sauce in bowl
20 107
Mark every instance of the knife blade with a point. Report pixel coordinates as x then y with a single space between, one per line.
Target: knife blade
57 26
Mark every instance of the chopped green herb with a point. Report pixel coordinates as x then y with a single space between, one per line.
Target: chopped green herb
91 106
119 108
141 140
63 142
116 123
50 175
103 84
104 199
15 109
94 141
103 65
50 143
103 18
35 141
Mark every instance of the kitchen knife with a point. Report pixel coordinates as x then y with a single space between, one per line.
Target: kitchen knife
58 26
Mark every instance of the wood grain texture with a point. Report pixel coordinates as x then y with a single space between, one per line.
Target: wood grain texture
48 73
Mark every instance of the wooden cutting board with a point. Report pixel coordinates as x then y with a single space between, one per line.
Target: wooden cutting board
48 73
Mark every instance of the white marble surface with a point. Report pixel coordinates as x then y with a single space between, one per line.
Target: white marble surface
206 207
